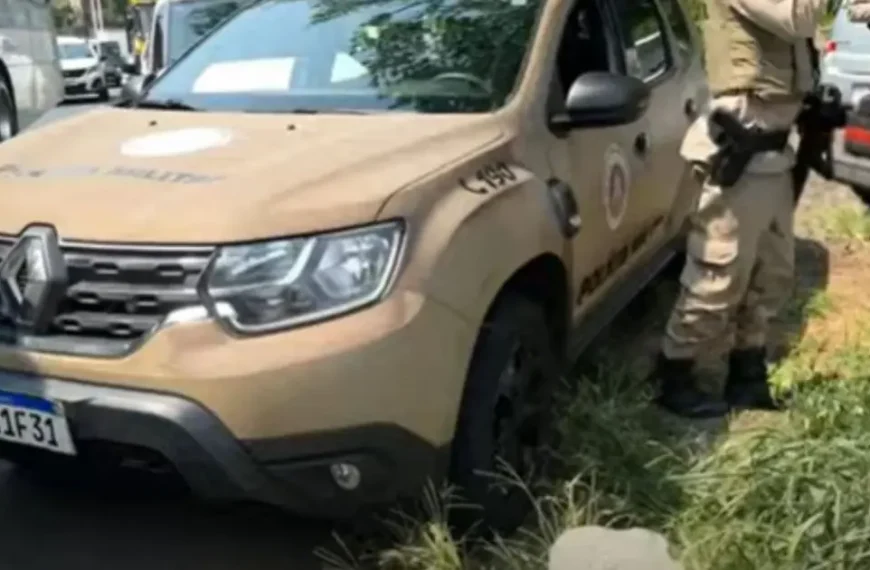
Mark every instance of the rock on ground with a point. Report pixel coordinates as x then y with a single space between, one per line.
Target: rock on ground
600 548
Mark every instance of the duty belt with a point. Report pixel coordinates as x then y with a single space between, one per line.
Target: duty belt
737 144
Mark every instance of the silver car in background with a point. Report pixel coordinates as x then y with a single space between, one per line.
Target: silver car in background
845 64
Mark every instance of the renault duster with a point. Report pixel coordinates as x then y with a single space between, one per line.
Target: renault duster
342 248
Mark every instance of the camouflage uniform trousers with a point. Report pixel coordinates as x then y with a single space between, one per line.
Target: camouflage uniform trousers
739 266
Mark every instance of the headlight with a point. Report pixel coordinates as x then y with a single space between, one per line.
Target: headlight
278 284
94 69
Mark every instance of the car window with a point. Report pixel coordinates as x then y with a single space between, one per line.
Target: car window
676 18
852 34
5 14
430 57
645 43
75 51
584 47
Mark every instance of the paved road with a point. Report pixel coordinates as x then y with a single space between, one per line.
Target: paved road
45 528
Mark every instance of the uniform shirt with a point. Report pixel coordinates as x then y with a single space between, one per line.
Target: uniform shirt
794 21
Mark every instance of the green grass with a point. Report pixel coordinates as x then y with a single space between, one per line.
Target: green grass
761 491
844 223
789 491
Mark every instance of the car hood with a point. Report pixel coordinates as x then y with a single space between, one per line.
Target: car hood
188 177
78 63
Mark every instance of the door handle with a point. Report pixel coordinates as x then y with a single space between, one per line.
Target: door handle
641 144
689 109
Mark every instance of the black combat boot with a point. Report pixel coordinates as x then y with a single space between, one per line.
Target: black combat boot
747 381
679 392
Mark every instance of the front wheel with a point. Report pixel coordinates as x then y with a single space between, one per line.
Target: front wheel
8 114
505 417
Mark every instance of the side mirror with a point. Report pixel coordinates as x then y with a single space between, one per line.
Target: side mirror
133 88
603 99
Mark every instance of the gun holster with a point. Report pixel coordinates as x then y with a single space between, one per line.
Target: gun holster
737 144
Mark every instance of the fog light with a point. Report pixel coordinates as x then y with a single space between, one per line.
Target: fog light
345 475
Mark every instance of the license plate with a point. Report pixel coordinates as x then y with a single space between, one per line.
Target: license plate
35 422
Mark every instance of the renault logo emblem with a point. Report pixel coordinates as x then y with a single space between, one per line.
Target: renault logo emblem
33 279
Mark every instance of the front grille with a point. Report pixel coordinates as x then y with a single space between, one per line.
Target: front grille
74 73
117 295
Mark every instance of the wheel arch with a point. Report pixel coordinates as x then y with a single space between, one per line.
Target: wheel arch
544 281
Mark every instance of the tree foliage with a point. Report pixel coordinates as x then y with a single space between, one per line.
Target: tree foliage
406 42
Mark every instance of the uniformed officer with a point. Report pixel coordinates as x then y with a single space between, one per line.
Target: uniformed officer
740 250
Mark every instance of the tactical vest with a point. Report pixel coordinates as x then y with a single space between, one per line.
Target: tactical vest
742 57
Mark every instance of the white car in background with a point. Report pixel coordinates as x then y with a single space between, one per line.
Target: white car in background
30 77
84 70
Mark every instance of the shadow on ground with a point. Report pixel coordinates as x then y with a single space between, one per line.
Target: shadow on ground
614 431
143 528
812 272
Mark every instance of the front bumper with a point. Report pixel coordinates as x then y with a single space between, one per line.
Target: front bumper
216 466
89 83
265 417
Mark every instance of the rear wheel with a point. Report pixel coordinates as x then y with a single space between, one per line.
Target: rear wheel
505 416
8 114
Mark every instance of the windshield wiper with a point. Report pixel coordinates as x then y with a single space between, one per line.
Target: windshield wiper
308 111
169 104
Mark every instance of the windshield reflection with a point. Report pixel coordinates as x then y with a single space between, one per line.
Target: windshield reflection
189 21
420 55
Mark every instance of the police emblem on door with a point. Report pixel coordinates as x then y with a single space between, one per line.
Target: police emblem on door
615 186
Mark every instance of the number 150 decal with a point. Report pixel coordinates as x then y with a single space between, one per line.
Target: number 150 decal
490 178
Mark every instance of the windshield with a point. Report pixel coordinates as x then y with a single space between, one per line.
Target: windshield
75 51
112 51
369 55
189 21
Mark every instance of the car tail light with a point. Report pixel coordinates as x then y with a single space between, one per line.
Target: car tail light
830 46
858 135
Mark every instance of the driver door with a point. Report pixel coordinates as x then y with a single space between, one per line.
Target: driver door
605 167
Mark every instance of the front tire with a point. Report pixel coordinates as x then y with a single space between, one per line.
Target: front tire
8 112
505 412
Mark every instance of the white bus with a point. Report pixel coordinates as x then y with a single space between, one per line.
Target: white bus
31 82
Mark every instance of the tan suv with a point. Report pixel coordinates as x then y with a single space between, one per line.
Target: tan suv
337 249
